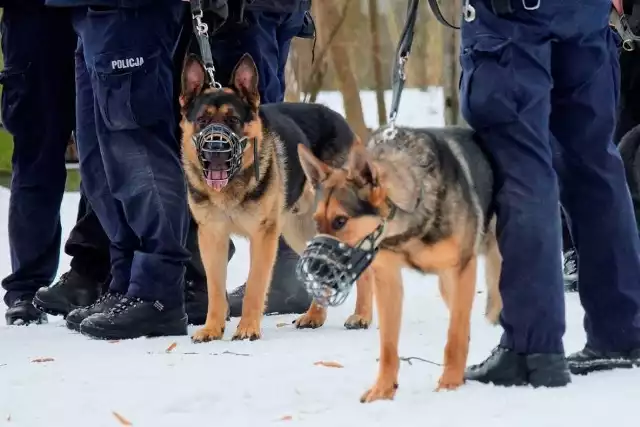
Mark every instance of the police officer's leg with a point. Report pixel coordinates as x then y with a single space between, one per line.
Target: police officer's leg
595 192
96 190
136 136
505 96
629 103
630 153
88 247
37 109
261 40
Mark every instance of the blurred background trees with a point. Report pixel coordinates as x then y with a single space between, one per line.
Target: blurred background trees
355 49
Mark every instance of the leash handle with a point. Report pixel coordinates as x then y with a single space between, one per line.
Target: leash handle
201 30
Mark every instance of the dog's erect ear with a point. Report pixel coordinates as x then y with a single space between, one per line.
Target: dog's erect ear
315 170
360 167
193 77
244 80
401 188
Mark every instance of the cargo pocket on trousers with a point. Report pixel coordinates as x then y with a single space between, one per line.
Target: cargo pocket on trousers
16 112
129 91
487 84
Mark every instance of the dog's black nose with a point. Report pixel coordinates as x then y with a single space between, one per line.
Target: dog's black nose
216 158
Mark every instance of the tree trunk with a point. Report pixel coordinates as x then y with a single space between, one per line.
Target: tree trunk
452 65
346 78
434 47
377 61
292 86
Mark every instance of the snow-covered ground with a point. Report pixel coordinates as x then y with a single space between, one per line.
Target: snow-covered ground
51 377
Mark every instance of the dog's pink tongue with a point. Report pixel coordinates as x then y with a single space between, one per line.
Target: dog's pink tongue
217 179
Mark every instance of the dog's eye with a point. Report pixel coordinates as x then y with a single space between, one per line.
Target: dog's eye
339 222
233 121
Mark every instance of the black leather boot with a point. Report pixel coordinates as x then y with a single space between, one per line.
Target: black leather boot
22 312
589 360
286 295
70 292
507 368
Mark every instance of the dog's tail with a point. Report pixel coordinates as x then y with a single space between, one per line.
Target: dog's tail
493 267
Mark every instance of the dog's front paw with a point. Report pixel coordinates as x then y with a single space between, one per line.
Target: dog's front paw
247 329
355 321
450 380
208 333
310 320
380 391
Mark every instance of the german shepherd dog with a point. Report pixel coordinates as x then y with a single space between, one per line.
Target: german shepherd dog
267 196
433 190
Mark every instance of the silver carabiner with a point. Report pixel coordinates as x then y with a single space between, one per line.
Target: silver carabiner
468 11
534 7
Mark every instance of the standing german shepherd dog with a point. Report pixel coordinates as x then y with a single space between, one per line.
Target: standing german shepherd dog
244 177
432 189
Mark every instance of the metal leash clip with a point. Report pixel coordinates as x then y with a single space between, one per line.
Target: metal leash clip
399 74
621 24
468 11
202 32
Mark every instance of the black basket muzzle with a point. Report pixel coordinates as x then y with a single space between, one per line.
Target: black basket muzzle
220 152
329 267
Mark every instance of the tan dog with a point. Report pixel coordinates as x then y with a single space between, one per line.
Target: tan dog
262 193
433 190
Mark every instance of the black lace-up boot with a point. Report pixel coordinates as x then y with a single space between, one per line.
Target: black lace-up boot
570 270
507 368
22 312
105 303
287 295
134 318
70 292
589 360
197 302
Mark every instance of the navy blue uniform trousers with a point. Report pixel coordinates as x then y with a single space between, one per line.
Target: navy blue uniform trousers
129 164
533 83
266 36
38 111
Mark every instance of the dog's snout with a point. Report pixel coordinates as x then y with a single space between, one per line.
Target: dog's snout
216 158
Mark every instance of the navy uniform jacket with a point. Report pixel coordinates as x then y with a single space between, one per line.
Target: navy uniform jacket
263 5
105 3
282 6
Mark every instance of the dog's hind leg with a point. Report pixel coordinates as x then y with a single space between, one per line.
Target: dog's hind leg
493 266
213 239
361 318
263 247
460 284
388 294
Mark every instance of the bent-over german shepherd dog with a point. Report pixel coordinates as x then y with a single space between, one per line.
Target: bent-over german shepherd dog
268 196
440 185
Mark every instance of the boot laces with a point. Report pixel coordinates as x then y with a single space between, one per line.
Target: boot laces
239 291
570 263
102 298
124 304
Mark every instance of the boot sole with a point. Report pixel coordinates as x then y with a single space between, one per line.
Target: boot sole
600 365
160 330
73 325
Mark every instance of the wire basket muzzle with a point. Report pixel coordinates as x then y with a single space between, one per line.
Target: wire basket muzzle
329 268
